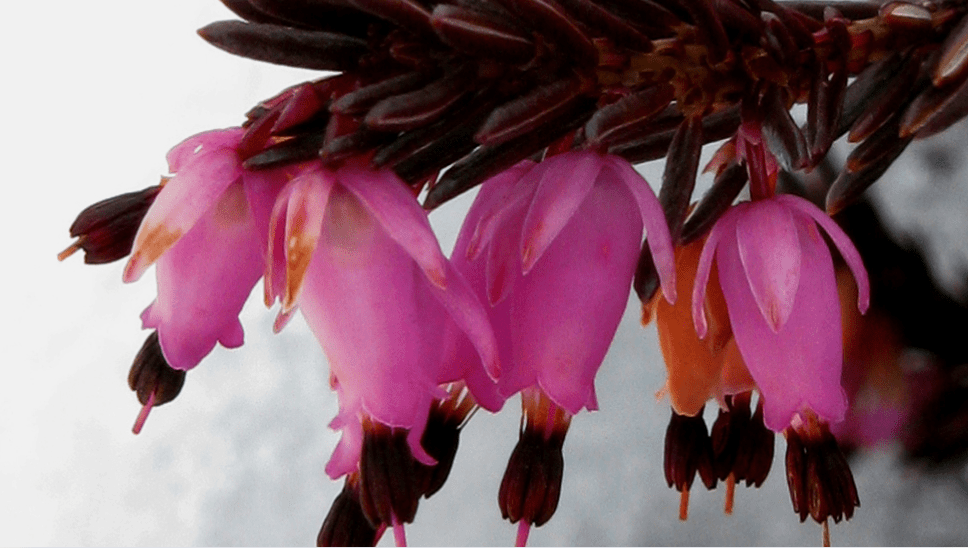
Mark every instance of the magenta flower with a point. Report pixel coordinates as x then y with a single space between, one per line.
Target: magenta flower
355 252
204 233
777 277
552 247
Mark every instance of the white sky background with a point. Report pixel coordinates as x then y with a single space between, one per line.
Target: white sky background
94 95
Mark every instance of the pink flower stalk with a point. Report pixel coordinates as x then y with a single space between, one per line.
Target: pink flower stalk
355 252
552 248
778 279
205 231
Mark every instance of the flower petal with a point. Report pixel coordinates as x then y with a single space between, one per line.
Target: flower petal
200 144
799 366
204 280
843 243
396 209
654 221
723 227
566 180
182 201
770 252
304 221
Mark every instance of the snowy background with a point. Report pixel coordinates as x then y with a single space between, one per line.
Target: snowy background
95 93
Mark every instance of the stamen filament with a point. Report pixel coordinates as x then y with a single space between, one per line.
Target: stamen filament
143 415
730 494
524 529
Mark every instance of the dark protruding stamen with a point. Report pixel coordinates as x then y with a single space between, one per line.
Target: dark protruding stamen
345 524
820 481
286 46
388 490
531 485
688 450
151 374
106 230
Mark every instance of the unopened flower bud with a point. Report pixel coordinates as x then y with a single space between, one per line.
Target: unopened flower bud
106 230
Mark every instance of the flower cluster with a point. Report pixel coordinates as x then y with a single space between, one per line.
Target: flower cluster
547 105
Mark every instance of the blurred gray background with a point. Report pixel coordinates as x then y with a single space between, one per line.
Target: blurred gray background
95 93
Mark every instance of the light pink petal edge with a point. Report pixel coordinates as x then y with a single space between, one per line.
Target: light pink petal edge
843 243
565 183
722 226
769 250
396 209
654 221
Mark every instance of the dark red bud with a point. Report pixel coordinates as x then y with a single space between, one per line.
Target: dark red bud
106 230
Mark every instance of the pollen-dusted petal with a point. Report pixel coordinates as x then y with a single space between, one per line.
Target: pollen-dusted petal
770 252
274 283
799 366
654 222
390 202
304 221
841 240
204 280
724 228
565 183
182 201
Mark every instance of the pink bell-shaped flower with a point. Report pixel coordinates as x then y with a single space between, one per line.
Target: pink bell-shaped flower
552 248
205 231
777 277
354 251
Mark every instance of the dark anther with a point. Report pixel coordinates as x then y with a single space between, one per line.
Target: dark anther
345 524
388 490
150 374
742 445
106 230
679 177
820 481
688 450
440 441
532 482
286 46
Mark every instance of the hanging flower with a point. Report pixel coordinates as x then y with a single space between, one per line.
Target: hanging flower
355 252
205 231
777 277
552 248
